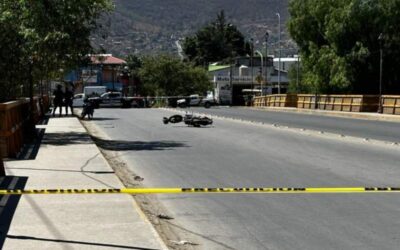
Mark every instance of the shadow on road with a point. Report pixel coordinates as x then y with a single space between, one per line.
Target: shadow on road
31 147
22 237
119 145
104 119
8 203
64 170
62 139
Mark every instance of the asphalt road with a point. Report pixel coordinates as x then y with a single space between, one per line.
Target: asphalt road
234 154
379 130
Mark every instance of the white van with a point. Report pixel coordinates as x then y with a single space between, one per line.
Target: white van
90 91
94 91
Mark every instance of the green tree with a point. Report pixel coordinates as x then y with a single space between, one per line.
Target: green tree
215 42
295 75
340 47
45 36
134 64
169 76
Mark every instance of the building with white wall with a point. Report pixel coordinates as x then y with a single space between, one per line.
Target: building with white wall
230 81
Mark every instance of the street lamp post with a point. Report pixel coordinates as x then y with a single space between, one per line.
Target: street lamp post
266 57
113 77
230 79
261 73
251 62
280 50
380 39
298 69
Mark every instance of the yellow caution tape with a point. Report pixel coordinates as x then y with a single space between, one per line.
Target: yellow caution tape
286 190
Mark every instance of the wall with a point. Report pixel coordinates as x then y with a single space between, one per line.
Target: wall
14 121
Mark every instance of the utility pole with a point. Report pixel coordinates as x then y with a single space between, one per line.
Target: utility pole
266 57
230 78
280 52
380 39
298 69
261 71
113 77
251 63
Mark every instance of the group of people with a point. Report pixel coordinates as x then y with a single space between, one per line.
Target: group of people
62 99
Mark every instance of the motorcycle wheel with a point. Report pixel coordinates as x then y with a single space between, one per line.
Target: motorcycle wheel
175 119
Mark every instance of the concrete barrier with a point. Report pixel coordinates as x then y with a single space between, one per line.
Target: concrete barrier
282 100
349 103
391 104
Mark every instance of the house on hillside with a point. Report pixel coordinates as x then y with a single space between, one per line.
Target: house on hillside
245 75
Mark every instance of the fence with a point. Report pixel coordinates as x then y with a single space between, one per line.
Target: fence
14 118
349 103
391 104
283 100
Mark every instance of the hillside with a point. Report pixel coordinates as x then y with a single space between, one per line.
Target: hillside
153 26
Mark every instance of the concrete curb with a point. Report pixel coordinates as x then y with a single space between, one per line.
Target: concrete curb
343 114
135 204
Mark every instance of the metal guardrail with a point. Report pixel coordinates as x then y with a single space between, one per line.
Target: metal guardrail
14 117
391 104
282 100
347 103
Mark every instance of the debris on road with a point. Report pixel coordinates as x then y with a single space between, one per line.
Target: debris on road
183 242
138 178
164 217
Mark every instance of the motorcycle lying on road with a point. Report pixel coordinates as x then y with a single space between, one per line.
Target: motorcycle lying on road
189 119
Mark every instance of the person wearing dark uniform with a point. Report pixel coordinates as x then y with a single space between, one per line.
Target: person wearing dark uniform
58 99
68 99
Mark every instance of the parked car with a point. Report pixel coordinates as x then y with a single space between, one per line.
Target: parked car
112 99
197 100
88 92
94 91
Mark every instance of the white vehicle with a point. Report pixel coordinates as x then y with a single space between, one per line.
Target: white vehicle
197 100
94 91
78 100
112 99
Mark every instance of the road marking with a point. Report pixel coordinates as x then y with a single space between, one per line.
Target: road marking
292 190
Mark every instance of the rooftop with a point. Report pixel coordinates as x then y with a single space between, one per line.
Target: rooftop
217 67
106 59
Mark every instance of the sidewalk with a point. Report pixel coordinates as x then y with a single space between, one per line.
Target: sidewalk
68 158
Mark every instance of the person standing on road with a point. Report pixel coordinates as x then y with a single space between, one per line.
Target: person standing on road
68 99
58 99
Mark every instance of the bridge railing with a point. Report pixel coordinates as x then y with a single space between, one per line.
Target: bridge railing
347 103
282 100
14 118
391 104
